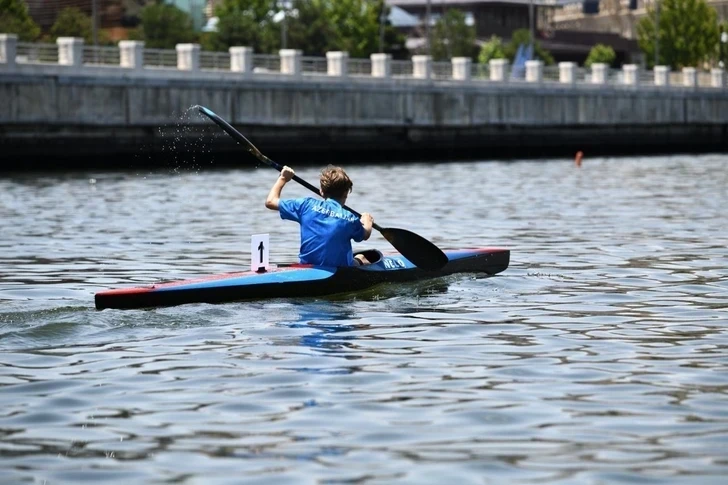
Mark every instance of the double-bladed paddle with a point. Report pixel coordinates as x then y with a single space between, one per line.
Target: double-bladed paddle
421 252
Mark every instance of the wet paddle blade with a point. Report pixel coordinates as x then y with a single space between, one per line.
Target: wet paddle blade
421 252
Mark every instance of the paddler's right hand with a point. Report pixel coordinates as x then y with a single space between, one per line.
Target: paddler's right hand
287 173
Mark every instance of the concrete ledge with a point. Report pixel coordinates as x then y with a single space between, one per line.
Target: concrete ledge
420 117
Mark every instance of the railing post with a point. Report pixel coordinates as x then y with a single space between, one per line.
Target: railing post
498 68
599 73
662 75
290 62
567 72
631 74
690 77
70 51
381 65
337 63
131 54
717 76
8 50
422 67
534 71
462 68
241 59
188 57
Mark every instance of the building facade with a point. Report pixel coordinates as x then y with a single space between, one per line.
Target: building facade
502 17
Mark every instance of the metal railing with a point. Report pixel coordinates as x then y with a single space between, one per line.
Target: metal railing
109 56
266 63
30 53
217 61
160 58
314 65
46 54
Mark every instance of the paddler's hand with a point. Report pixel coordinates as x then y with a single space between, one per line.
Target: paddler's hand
367 221
287 173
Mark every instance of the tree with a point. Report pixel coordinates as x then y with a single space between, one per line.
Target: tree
523 36
453 37
14 19
354 26
164 26
600 54
688 34
309 29
493 49
246 23
72 22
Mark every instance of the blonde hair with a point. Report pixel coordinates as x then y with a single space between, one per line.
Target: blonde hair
335 183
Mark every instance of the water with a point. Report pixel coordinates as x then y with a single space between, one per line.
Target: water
599 356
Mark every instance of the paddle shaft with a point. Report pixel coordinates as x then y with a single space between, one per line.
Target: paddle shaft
260 156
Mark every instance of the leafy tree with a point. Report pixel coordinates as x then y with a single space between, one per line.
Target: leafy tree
493 49
523 36
163 26
245 23
310 30
14 19
354 26
688 34
452 37
600 53
72 22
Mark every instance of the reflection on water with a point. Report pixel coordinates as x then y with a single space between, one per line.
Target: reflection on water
599 356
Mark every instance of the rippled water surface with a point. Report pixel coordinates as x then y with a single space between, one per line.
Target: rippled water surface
599 356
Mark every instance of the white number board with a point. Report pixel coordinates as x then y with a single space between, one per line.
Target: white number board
259 253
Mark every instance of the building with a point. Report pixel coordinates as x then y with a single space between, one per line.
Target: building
502 17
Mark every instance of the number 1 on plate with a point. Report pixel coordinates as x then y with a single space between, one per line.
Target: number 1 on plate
259 251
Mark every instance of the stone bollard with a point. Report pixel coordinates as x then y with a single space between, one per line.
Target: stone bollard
690 77
188 57
8 50
337 63
498 68
381 65
717 77
241 59
662 75
291 62
70 51
422 67
534 71
462 68
131 54
567 72
599 73
631 74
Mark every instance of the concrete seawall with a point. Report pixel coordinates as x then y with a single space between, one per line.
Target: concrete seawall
91 120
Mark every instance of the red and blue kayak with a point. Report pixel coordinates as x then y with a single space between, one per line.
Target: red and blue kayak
299 280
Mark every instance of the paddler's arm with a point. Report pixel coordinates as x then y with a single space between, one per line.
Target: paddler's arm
367 221
274 196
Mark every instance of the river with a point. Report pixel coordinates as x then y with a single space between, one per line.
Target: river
599 356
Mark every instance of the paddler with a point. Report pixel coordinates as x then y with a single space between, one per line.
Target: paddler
327 229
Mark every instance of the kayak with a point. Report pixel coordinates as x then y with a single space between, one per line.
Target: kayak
301 280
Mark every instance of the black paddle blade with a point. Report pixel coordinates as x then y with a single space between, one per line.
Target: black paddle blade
421 252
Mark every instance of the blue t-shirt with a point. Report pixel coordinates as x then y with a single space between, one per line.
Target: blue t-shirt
326 230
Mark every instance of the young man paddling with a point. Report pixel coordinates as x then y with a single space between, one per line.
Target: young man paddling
327 229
